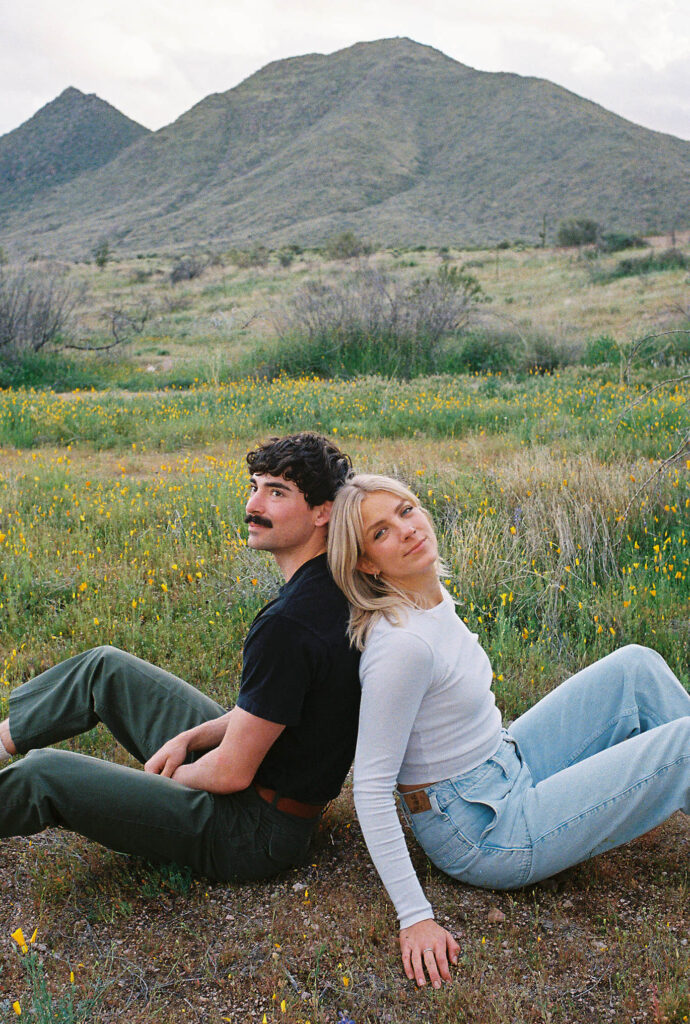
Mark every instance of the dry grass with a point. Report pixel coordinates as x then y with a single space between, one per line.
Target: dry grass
609 942
221 315
606 942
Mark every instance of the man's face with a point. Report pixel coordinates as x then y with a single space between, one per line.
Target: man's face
278 516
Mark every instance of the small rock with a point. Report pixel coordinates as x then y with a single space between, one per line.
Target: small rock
495 916
567 904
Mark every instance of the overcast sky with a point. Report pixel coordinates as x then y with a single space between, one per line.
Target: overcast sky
153 59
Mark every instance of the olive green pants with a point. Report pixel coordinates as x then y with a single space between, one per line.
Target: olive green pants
223 837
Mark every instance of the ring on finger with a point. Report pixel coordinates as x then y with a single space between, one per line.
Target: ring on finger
429 949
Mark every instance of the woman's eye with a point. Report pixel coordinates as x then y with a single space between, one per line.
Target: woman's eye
379 533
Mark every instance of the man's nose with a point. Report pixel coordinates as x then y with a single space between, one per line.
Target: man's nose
253 502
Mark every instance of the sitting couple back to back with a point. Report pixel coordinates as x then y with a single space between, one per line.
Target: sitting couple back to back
238 794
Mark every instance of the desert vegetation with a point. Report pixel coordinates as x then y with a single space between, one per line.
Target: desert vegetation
548 434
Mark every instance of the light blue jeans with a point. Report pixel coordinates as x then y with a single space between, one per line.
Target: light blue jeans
601 759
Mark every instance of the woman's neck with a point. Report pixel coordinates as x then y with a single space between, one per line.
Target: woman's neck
426 593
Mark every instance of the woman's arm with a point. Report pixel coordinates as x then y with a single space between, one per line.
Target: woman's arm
396 671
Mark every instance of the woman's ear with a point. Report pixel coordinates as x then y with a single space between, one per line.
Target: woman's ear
366 566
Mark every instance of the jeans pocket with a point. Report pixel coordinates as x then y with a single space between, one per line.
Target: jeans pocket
287 848
447 844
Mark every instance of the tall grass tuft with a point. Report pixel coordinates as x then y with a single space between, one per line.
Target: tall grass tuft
373 323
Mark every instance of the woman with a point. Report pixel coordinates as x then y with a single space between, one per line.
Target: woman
600 760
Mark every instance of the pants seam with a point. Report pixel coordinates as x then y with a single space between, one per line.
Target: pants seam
611 799
614 720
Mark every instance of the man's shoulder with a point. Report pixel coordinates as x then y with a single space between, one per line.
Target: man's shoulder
309 602
309 593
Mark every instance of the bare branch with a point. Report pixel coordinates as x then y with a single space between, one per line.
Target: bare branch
123 325
650 391
681 451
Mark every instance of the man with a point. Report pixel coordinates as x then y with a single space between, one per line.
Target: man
232 795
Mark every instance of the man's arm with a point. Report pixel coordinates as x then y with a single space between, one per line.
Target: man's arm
172 754
232 765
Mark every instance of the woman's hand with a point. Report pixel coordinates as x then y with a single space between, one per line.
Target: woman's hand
427 946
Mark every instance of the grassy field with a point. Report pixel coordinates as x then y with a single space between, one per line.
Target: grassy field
562 503
224 322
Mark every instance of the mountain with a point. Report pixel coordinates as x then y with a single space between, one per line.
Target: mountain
73 134
391 139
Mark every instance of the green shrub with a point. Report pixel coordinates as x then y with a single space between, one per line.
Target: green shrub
669 259
187 268
545 354
617 241
373 323
346 246
577 231
257 256
101 254
45 370
601 351
484 351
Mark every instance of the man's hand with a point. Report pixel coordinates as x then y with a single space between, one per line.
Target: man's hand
232 765
427 946
168 759
173 754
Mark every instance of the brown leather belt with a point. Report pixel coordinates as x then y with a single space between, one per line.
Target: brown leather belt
416 800
287 804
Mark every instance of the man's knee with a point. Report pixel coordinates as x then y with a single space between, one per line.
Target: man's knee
105 653
43 761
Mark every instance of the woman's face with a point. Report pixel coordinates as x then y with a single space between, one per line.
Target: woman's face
399 541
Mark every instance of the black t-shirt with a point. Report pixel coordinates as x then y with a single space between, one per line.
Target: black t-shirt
300 671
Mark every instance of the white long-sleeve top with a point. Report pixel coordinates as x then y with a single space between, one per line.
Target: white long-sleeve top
427 714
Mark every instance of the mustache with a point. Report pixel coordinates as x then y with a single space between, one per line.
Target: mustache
258 520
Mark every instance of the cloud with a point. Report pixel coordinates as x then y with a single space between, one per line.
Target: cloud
153 59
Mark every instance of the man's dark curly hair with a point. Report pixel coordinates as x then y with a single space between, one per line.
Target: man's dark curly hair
313 462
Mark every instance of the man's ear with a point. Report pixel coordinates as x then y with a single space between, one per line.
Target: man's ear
323 513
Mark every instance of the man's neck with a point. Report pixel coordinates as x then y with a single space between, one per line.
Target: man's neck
290 561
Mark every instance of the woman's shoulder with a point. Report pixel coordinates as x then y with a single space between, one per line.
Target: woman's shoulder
416 632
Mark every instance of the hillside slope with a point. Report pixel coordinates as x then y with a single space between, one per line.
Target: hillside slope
392 139
72 134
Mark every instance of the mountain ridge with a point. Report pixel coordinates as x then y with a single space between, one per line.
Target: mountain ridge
392 139
74 133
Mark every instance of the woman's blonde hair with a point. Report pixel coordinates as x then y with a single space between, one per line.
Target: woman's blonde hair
370 597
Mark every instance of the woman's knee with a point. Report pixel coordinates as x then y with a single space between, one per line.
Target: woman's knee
635 655
641 663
